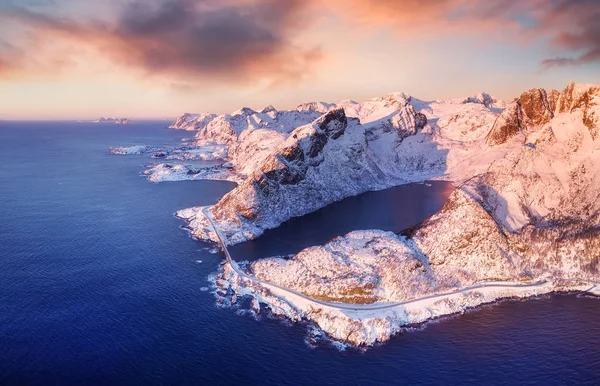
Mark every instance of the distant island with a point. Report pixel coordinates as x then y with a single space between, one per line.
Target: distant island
118 121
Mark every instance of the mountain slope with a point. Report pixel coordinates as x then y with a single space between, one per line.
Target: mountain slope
332 158
355 147
526 210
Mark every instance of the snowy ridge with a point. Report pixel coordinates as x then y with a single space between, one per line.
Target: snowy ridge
248 136
537 107
383 142
226 128
245 137
396 139
192 121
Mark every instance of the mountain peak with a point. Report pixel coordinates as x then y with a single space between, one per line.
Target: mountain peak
533 108
333 123
321 107
537 107
268 109
482 98
247 111
395 99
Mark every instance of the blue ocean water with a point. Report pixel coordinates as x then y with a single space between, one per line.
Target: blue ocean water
99 285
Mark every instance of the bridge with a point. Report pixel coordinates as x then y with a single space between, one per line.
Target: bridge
358 307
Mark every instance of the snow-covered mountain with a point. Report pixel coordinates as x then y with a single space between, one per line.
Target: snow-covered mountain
353 147
248 135
227 128
537 107
192 121
526 207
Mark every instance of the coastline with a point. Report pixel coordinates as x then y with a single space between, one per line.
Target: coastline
367 327
234 233
369 324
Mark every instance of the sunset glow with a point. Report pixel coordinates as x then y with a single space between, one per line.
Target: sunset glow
71 59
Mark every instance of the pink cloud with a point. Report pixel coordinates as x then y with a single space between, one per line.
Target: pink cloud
193 39
244 40
574 26
570 25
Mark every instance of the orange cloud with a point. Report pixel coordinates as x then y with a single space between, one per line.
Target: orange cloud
435 16
575 26
10 58
251 40
191 39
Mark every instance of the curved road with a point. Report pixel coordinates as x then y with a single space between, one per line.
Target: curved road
347 306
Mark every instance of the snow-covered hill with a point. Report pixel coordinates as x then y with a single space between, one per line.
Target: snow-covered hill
526 207
192 121
355 147
351 148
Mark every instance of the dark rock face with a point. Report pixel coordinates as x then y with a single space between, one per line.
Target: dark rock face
553 98
317 143
566 98
290 164
410 123
285 169
421 120
277 169
247 111
330 126
483 98
533 108
507 125
334 123
406 122
293 152
537 107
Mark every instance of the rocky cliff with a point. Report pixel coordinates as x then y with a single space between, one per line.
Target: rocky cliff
329 159
537 107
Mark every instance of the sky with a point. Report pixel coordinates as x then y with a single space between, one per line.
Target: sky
75 59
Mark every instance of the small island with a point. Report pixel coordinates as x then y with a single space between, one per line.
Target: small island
117 121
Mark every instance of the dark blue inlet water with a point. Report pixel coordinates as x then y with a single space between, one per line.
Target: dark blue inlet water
98 285
394 209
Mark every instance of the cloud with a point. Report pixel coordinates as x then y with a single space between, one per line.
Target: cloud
191 39
435 16
569 25
10 59
577 28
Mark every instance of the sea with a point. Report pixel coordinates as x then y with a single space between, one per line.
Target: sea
100 284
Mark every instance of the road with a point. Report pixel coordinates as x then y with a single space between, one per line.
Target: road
348 306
